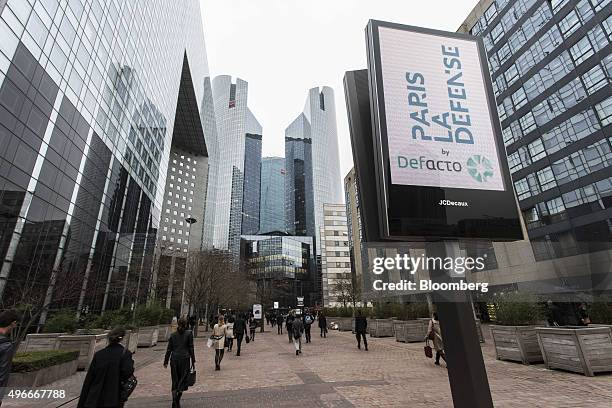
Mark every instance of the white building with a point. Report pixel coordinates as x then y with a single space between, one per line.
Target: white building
335 256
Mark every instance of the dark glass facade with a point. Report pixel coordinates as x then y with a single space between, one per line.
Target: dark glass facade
85 129
282 267
272 211
252 184
551 68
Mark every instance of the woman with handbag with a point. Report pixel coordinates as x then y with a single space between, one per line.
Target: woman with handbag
182 360
435 334
110 377
218 337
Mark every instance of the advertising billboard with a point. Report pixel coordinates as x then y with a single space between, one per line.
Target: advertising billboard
439 160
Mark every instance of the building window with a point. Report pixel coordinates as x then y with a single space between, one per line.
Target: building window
604 111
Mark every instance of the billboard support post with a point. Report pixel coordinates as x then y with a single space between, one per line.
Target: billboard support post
467 374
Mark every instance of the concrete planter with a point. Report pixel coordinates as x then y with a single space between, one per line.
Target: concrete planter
344 323
165 330
43 376
86 344
41 342
516 343
381 328
147 336
585 350
409 331
130 341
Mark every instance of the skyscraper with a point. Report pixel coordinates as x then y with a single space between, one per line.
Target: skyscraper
86 124
272 210
312 163
551 67
235 161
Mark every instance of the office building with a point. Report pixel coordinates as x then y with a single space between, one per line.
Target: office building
551 66
86 127
312 163
281 266
336 277
272 209
353 218
235 162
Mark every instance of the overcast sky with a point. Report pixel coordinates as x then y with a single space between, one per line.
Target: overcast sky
285 47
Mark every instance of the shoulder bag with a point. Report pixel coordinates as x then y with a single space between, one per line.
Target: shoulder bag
127 386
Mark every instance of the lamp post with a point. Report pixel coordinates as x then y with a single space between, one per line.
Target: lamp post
190 221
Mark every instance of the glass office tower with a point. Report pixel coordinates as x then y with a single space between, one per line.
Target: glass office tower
272 210
312 163
88 103
235 161
551 67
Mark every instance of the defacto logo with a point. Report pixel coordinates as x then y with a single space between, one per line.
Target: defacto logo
423 163
480 168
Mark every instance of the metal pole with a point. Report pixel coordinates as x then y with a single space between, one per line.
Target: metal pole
466 370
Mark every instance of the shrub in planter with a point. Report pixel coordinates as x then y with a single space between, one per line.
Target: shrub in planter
114 318
166 316
62 321
36 360
600 312
514 335
148 315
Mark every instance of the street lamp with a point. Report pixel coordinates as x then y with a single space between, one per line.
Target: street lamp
190 221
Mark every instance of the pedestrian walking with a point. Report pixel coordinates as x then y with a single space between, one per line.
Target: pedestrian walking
229 343
181 355
583 315
307 320
240 331
289 324
273 319
252 327
109 369
218 336
323 324
435 334
297 328
361 325
8 321
279 323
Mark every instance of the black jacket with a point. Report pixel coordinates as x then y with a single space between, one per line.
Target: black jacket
6 356
109 367
361 324
180 346
240 328
322 322
279 319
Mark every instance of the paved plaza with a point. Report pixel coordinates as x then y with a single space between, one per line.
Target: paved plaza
332 372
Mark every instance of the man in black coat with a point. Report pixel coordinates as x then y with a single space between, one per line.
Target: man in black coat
361 324
279 323
109 368
240 330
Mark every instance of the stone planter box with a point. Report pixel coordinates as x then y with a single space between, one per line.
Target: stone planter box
381 328
130 341
585 350
165 330
41 342
344 323
43 376
86 344
148 336
516 343
409 331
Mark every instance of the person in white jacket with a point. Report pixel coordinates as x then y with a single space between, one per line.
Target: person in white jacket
229 326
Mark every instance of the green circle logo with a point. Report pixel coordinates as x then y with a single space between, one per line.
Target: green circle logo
480 168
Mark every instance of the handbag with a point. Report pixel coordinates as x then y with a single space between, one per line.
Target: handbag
247 339
428 350
209 342
191 377
127 386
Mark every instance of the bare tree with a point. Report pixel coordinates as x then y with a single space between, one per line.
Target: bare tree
214 278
